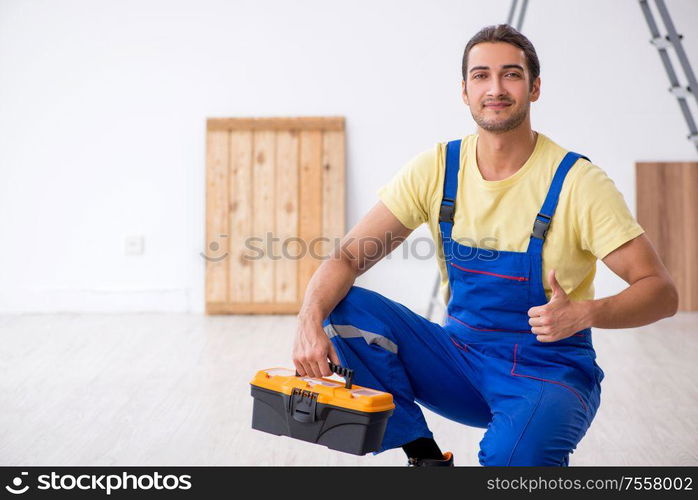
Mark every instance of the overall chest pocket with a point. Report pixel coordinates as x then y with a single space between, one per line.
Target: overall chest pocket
495 298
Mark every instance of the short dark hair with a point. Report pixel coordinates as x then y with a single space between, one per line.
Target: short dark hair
506 34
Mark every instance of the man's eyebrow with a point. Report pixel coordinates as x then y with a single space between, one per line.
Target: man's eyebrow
504 66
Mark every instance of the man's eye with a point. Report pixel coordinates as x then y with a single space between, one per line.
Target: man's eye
478 75
515 74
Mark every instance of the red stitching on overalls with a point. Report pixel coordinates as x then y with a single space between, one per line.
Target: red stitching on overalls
515 278
513 368
463 347
484 330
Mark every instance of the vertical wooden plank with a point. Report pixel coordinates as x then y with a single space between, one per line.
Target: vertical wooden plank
286 272
672 223
216 216
333 197
263 208
650 203
240 208
667 208
310 213
688 301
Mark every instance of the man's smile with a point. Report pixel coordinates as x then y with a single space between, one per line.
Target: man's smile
498 105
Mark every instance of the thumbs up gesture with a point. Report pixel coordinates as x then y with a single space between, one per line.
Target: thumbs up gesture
559 318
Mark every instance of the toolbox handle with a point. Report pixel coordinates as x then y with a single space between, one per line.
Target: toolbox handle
347 373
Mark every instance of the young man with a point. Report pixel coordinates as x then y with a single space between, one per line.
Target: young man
519 223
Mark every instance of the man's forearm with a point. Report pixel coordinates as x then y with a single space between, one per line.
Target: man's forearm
328 285
645 301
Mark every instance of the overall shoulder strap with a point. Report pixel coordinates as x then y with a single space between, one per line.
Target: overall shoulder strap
543 218
448 200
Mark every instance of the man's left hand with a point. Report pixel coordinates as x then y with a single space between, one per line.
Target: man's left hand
559 318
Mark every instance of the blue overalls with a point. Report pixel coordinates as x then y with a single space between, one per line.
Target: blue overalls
484 367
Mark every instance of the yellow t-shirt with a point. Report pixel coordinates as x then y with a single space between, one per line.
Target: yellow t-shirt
590 221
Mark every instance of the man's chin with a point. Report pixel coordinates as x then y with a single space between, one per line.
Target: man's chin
495 128
499 126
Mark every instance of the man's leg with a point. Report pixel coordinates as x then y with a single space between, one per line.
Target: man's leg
538 419
393 349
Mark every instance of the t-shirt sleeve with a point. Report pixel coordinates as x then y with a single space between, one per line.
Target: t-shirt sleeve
604 219
407 194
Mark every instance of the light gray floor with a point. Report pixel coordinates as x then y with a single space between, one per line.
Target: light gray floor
173 389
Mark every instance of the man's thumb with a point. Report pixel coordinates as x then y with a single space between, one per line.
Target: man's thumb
554 285
333 355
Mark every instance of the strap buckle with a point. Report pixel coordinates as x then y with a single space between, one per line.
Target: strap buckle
446 211
540 227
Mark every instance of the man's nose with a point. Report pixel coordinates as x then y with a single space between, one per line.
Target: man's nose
496 88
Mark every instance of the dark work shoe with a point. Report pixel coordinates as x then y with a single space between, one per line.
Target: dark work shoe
432 462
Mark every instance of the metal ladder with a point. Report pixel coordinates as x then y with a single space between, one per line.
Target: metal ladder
512 12
673 40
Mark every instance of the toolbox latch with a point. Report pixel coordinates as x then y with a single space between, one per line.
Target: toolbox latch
302 404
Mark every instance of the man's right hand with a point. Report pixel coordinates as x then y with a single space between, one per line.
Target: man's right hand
312 348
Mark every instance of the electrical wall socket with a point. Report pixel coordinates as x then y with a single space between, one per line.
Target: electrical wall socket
134 244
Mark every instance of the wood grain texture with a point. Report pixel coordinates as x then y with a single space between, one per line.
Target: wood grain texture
263 211
281 123
253 308
275 197
240 268
286 276
667 208
310 215
333 201
217 216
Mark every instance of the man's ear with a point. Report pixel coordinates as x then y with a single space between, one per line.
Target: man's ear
464 93
535 91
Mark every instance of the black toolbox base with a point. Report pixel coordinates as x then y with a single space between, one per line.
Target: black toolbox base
341 429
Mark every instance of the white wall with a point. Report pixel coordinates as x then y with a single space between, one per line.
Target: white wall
103 107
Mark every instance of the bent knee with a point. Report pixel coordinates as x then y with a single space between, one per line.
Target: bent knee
356 300
529 454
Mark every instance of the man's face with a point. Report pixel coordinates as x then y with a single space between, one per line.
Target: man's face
497 86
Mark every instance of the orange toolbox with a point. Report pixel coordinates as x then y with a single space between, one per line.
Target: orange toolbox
341 416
